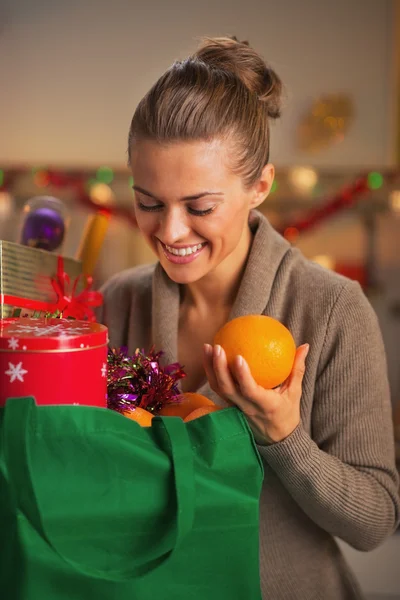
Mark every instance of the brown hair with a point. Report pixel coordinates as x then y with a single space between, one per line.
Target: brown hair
223 91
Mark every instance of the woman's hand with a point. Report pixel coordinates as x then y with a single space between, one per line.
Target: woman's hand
272 414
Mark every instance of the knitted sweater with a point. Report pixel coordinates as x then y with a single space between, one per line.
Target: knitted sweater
335 475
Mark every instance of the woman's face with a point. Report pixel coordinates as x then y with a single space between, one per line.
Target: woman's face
190 207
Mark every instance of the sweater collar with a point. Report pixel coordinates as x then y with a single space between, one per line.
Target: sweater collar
266 254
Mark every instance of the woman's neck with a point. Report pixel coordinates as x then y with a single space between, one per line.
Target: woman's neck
219 288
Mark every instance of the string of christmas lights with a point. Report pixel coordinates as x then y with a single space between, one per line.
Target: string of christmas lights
95 193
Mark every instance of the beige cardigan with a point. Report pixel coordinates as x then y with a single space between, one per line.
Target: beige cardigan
335 474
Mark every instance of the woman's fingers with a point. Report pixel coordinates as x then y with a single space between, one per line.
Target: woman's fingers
295 379
245 381
223 375
219 375
209 367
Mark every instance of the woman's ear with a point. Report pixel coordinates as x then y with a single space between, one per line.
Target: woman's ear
262 186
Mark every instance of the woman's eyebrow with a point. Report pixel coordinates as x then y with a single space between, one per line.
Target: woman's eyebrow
184 199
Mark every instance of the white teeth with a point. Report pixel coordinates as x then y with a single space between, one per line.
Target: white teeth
184 251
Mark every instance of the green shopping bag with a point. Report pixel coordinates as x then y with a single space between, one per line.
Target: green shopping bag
93 506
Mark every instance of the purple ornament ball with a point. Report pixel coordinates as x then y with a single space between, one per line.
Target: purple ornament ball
43 228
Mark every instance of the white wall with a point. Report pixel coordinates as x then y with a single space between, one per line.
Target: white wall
73 71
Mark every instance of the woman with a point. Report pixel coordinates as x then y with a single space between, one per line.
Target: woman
199 154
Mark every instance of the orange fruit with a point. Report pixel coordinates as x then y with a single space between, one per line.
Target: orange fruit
189 401
200 412
140 415
265 343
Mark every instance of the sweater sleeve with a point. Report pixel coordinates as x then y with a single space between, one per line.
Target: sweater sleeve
344 477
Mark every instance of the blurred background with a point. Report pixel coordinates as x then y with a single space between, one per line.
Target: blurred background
73 72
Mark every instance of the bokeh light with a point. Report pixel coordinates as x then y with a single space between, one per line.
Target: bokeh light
375 180
102 195
291 234
303 179
394 201
41 178
6 205
105 175
324 260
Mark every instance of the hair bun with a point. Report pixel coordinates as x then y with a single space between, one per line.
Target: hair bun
238 57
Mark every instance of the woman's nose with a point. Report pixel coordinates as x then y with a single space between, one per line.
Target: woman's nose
173 226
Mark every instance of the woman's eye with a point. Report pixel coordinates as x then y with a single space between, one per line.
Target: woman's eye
149 208
157 207
200 213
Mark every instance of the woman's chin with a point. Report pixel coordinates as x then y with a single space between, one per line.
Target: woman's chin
181 274
181 277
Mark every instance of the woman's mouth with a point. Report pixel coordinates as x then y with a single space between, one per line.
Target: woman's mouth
182 255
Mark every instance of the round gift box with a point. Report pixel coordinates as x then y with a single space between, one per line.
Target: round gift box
57 361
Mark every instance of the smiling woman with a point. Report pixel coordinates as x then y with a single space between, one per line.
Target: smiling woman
199 154
192 208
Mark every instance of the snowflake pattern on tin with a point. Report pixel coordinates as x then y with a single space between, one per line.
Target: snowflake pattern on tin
60 330
25 328
16 372
104 370
13 343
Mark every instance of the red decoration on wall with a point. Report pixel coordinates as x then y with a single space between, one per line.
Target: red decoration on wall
345 198
354 271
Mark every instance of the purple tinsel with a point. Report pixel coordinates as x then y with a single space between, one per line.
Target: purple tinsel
140 381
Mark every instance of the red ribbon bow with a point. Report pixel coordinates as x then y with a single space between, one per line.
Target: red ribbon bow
71 305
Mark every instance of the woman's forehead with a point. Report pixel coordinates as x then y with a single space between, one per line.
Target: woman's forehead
190 162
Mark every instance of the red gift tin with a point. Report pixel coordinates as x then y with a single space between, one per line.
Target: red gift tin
57 361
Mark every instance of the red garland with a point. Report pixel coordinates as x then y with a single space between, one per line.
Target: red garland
77 181
8 180
343 199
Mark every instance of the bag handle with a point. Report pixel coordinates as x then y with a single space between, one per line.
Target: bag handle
18 416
